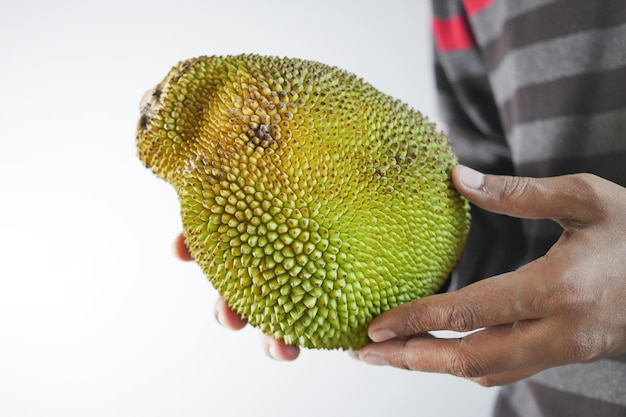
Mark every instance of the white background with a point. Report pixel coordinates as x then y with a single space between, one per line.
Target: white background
96 317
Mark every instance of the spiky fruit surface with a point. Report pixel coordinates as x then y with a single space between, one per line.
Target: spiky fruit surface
312 201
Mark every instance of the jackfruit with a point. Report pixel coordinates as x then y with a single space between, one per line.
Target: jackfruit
312 201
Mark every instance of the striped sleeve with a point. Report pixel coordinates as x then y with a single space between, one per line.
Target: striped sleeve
557 71
469 111
535 88
597 389
466 102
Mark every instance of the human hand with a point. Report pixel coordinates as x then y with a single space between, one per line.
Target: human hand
275 349
565 307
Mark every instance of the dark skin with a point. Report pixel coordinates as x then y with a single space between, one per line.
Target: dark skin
565 307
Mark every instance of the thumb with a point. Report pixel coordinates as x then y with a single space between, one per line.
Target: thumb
570 200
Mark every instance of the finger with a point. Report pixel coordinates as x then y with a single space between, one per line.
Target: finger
180 249
492 380
500 350
227 317
491 302
571 200
278 350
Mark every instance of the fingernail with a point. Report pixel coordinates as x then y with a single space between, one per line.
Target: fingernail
470 178
382 335
373 359
217 315
272 352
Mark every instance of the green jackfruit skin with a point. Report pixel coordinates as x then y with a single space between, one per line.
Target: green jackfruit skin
312 201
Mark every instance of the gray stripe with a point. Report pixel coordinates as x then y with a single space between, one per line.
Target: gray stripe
521 399
502 408
568 137
447 9
489 23
586 94
576 54
604 380
555 20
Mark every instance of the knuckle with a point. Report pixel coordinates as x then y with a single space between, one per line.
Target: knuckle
410 323
513 187
404 357
584 182
573 295
585 346
415 316
583 190
574 302
465 366
462 318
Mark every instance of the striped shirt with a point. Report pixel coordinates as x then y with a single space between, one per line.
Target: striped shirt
535 88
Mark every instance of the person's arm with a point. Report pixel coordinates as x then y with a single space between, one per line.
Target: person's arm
565 307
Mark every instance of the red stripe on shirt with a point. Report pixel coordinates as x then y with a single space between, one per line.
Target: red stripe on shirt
474 6
452 34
